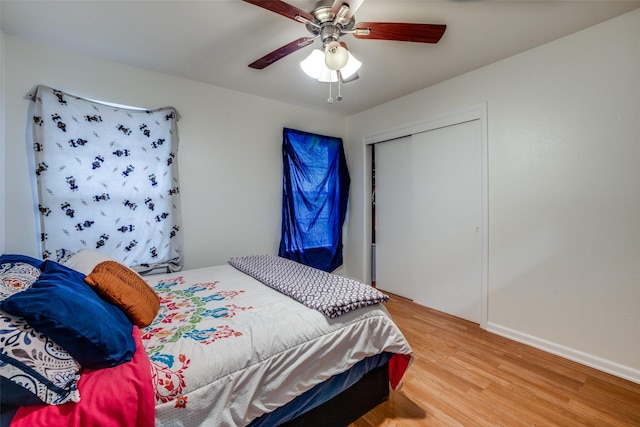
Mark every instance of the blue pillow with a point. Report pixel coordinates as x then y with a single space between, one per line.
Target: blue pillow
62 306
16 258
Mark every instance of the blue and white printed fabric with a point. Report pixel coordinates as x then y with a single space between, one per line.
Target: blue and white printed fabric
107 178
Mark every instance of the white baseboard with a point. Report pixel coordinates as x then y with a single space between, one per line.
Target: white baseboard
595 362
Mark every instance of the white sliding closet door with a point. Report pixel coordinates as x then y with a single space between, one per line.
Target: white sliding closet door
429 217
394 217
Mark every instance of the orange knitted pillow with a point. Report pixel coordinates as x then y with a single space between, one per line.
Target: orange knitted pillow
125 288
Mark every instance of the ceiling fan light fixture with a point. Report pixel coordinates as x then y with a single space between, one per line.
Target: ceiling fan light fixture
314 65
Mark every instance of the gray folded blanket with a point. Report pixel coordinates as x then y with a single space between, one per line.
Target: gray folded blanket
328 293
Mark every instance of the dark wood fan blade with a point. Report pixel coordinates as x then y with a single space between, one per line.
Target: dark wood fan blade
280 53
419 33
281 8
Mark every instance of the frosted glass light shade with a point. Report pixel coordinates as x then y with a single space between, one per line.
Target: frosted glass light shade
336 56
328 76
313 64
351 67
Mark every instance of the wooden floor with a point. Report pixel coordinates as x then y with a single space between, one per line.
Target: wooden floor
463 375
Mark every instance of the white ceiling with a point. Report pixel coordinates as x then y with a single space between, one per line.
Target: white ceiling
212 41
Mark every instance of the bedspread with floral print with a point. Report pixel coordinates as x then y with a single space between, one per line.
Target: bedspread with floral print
183 310
226 349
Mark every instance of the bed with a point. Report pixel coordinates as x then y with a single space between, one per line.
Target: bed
229 347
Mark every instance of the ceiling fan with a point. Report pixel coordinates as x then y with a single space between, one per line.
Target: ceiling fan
329 21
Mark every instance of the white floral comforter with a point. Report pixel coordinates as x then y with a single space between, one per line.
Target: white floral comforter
226 349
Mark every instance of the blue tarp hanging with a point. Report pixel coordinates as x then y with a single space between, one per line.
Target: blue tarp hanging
314 203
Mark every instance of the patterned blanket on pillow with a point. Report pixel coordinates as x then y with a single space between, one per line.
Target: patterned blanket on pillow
328 293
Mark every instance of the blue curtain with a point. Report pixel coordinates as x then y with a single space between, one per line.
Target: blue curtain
314 203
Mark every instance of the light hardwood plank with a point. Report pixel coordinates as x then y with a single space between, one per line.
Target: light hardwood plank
463 375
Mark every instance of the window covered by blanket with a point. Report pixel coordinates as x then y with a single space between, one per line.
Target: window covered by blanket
107 179
315 194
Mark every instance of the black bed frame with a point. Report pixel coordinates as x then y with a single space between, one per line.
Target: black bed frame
370 391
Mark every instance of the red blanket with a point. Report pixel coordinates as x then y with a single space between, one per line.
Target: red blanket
398 364
121 396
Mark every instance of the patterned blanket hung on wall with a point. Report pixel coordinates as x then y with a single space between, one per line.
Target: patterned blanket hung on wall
107 178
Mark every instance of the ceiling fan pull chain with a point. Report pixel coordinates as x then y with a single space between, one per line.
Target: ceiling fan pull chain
339 97
330 100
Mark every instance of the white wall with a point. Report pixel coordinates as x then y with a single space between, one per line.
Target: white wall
564 190
230 148
1 137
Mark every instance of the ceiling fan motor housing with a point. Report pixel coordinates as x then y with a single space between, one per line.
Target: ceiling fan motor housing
326 26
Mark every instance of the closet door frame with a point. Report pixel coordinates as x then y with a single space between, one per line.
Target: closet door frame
478 112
